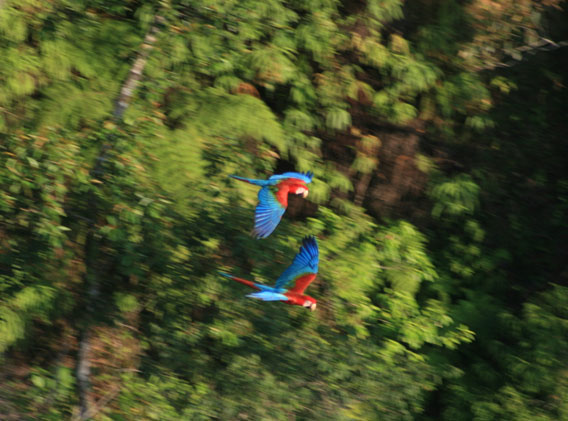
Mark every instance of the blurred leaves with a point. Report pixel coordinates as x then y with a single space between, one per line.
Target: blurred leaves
450 305
455 197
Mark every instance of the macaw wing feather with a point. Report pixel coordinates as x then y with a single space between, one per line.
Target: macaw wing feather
303 269
268 296
302 282
305 177
268 213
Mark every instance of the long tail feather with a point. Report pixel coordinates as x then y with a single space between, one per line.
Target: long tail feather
242 281
250 180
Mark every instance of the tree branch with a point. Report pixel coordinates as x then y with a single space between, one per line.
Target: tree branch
543 44
135 73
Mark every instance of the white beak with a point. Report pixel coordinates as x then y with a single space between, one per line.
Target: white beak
305 194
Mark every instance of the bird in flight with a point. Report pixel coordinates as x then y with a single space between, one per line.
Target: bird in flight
298 276
273 198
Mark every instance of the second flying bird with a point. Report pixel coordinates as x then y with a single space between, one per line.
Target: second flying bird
273 198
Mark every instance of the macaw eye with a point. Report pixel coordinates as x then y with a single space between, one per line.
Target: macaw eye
308 304
302 191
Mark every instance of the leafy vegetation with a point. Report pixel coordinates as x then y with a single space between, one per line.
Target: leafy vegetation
436 132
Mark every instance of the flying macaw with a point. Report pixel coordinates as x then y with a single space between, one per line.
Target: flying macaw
273 198
300 274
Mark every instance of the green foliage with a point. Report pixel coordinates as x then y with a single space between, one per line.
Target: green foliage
15 313
405 259
452 307
455 197
338 119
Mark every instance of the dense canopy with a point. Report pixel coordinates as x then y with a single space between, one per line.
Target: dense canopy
436 132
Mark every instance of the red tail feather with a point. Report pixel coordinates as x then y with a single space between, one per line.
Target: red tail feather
244 282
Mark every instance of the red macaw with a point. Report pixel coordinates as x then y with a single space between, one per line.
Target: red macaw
273 198
300 274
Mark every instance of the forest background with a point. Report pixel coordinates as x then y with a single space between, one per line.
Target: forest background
437 131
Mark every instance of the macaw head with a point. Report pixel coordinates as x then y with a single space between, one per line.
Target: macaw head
300 189
310 303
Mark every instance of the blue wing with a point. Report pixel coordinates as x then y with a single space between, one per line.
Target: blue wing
305 177
268 213
305 263
268 296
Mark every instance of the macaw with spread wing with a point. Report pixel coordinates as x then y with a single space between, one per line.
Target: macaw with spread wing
273 198
299 275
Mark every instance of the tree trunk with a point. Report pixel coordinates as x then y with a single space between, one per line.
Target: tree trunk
92 262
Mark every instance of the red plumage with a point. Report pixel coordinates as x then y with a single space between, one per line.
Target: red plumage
243 281
289 185
302 283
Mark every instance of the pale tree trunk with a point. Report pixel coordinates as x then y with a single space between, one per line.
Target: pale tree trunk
136 70
87 408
